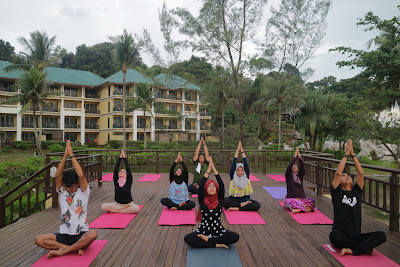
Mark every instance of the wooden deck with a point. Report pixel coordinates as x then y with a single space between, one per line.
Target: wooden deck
280 242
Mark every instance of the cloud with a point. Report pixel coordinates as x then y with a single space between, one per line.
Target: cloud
75 13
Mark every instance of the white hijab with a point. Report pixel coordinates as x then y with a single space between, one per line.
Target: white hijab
241 181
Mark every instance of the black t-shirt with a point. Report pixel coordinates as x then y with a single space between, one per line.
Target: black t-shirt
347 210
123 194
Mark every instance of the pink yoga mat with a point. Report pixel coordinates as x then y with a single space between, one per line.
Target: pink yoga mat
243 217
195 195
254 179
177 217
149 178
113 220
277 177
107 177
73 259
313 217
362 260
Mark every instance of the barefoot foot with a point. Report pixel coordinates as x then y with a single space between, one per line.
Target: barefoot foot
346 251
294 211
205 238
173 208
221 246
233 208
245 203
80 252
371 252
56 253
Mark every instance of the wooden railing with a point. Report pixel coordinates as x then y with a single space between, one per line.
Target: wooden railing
30 195
382 194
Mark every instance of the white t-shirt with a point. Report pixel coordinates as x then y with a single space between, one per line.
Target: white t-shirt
73 211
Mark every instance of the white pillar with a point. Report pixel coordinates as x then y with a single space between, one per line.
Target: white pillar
198 121
183 126
19 125
83 127
134 125
152 123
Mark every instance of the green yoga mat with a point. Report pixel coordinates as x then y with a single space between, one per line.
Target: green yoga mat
205 257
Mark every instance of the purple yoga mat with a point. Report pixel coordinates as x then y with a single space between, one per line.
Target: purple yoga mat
277 177
113 220
254 179
177 217
278 192
73 259
243 217
312 217
149 178
361 260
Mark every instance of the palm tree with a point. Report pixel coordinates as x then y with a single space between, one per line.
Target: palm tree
38 52
127 56
143 99
32 92
284 89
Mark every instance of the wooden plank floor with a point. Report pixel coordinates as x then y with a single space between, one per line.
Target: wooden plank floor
280 242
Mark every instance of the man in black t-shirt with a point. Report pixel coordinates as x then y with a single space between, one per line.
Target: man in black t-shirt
346 199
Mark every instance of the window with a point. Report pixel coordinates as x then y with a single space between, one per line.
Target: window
117 122
52 107
159 124
7 86
71 91
160 94
29 122
108 123
91 108
188 125
140 137
117 106
70 105
188 108
71 123
28 137
52 88
91 124
109 106
141 122
109 90
173 124
117 89
49 122
173 95
91 93
173 107
90 137
6 121
71 136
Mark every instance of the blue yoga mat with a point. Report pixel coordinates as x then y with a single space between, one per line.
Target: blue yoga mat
204 257
278 192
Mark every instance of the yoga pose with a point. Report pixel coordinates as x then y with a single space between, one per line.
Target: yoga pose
346 199
200 165
122 187
74 233
240 186
178 197
211 233
296 200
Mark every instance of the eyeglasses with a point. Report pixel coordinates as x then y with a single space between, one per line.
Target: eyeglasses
69 186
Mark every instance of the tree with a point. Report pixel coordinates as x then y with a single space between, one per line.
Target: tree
6 50
295 31
32 92
314 120
39 52
221 31
142 100
126 55
382 65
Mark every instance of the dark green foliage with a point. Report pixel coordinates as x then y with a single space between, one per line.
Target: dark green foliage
7 148
6 50
115 144
46 144
91 144
56 148
23 145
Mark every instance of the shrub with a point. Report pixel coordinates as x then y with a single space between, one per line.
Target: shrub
56 148
115 144
107 147
83 147
91 144
373 155
7 148
338 153
366 160
46 144
23 145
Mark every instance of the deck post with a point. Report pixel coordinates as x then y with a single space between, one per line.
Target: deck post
2 212
264 162
157 162
100 171
394 203
319 177
54 195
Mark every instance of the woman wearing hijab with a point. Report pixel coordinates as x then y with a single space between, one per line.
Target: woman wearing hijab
240 186
211 233
178 197
296 200
122 187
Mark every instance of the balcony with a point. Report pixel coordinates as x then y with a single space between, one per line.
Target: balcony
189 98
119 125
4 89
89 126
117 109
173 127
44 125
188 127
92 96
171 97
141 125
205 113
7 124
72 126
92 111
161 127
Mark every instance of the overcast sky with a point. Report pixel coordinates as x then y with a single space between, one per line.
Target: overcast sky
77 22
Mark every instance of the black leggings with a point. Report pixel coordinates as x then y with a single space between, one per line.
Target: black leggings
228 238
193 189
231 202
360 243
169 204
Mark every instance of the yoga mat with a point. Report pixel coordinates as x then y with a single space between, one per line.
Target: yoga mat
313 217
73 259
149 178
362 260
113 220
195 195
277 177
107 177
177 217
254 179
202 257
278 192
243 217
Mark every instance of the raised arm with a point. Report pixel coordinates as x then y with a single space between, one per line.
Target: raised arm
206 151
233 167
77 167
245 162
128 170
360 172
60 169
116 168
185 172
289 168
196 153
172 170
221 191
203 183
342 164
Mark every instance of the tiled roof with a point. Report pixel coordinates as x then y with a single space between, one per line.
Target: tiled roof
15 74
174 82
70 76
132 76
